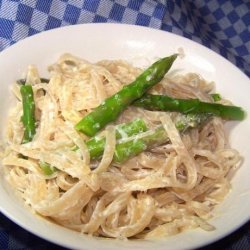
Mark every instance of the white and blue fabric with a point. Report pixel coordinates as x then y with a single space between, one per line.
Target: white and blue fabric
222 25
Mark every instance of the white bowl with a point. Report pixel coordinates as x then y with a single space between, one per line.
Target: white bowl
139 45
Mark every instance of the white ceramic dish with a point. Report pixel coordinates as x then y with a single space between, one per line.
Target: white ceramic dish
133 43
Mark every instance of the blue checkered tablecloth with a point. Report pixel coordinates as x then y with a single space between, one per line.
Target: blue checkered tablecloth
222 25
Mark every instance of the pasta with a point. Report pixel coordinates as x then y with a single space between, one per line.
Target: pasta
160 192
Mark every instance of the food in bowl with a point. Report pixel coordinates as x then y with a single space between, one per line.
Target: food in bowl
110 150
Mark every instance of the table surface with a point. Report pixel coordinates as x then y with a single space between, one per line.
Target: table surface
222 25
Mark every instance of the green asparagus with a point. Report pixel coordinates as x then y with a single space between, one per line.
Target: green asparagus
28 117
189 106
110 109
96 144
216 97
47 168
129 149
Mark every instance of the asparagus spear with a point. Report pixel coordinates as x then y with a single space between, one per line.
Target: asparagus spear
28 120
28 117
134 127
129 149
216 97
47 168
96 144
186 106
110 109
